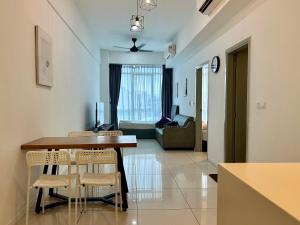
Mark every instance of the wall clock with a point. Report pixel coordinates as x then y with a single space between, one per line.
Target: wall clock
215 64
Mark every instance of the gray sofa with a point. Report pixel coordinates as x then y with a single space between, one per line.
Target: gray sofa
181 137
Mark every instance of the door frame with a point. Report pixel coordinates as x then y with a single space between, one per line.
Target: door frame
199 67
235 48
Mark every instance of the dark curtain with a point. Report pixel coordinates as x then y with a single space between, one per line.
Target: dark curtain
114 92
167 91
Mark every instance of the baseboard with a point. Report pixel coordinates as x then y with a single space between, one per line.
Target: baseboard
20 213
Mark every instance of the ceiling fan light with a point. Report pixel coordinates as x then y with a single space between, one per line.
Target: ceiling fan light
148 4
136 23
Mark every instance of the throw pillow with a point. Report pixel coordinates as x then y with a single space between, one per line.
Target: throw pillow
161 123
172 124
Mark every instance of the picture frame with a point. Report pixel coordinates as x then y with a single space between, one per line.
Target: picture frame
43 58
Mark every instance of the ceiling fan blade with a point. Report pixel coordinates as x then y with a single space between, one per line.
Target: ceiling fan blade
121 47
145 51
141 46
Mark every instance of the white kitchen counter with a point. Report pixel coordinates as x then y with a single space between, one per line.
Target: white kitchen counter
257 194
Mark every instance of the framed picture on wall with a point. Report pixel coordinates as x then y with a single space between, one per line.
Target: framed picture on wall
186 88
43 58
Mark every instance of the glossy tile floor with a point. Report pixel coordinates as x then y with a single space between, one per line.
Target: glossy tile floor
166 188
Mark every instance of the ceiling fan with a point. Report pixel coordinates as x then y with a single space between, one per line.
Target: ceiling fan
135 48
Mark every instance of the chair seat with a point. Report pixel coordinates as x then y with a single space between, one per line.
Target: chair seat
99 179
51 181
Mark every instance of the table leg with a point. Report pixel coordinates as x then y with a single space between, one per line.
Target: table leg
53 172
124 186
40 194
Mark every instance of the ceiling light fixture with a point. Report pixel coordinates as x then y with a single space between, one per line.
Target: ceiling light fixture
137 21
148 4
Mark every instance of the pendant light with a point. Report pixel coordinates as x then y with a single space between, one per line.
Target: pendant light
148 4
137 21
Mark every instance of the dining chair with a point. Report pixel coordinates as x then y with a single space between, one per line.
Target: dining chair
113 133
50 158
73 151
79 134
101 179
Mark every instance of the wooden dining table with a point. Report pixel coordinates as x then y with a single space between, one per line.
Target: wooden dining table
94 142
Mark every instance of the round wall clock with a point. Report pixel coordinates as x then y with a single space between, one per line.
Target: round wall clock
215 64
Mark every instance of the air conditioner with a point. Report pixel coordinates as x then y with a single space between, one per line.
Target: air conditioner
207 6
171 51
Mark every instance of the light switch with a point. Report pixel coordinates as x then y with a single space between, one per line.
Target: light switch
261 105
191 103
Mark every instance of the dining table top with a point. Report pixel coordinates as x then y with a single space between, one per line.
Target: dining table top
90 142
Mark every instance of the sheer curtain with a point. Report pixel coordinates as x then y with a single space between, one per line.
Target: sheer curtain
204 93
140 93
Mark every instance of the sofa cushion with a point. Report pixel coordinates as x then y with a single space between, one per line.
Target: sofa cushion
172 124
174 111
183 120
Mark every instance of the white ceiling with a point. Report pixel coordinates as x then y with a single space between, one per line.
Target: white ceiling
109 20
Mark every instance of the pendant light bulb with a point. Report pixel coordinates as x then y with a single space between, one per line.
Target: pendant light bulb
148 4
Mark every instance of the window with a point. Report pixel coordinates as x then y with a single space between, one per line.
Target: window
140 93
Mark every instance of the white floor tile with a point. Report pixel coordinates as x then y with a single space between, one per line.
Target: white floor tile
165 199
166 217
108 218
206 216
155 182
194 180
201 198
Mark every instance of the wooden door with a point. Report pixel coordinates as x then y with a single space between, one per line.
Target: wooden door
236 106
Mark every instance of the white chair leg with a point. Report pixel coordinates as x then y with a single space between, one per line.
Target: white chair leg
121 199
76 202
116 205
79 188
27 206
85 193
93 171
57 173
69 204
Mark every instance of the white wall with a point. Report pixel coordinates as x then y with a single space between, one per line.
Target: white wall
117 57
104 76
273 133
196 23
29 111
155 58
